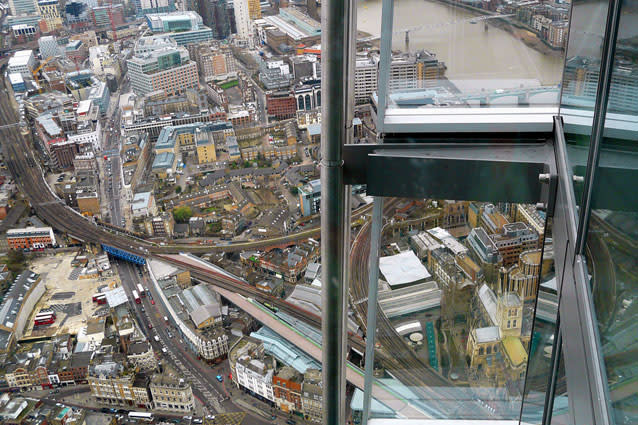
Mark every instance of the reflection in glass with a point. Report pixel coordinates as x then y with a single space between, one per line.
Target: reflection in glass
612 238
466 54
544 329
456 302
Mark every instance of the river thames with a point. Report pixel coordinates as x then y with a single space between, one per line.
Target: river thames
494 58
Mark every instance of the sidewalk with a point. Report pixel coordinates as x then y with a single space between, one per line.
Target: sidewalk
262 409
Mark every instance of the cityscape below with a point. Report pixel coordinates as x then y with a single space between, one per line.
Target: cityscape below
160 210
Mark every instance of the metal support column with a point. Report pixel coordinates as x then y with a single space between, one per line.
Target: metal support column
373 287
600 112
387 16
337 46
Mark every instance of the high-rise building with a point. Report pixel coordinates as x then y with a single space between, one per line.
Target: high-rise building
159 64
215 16
242 20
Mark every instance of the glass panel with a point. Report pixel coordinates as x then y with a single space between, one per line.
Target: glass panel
580 80
560 411
467 53
457 292
612 239
540 364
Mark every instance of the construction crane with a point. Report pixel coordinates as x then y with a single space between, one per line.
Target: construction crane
37 70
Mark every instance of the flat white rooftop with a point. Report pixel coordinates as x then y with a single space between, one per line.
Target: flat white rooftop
403 269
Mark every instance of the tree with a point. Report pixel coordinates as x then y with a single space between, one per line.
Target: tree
293 190
182 214
15 260
178 189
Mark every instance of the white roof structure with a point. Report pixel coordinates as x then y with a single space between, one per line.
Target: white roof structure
20 58
448 240
116 297
489 334
306 297
488 299
403 269
162 270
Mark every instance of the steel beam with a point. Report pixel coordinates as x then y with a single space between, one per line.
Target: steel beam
336 40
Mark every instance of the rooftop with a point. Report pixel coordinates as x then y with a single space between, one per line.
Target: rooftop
20 58
403 268
163 160
488 334
285 351
488 299
515 351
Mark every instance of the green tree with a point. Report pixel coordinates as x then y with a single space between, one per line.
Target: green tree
178 189
182 214
15 261
293 190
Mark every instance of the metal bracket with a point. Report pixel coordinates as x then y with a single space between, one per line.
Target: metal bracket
492 172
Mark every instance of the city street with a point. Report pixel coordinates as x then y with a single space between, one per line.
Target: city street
206 388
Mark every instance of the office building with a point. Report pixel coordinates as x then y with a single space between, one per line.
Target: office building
49 47
108 17
243 21
515 238
50 12
22 62
215 16
290 28
144 7
183 27
22 7
161 65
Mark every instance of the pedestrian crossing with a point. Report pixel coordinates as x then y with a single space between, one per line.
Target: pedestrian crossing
234 418
210 400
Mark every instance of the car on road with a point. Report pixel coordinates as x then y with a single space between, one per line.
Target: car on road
220 378
164 350
150 326
153 302
157 339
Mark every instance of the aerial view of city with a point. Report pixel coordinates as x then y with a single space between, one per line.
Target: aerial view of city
160 214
